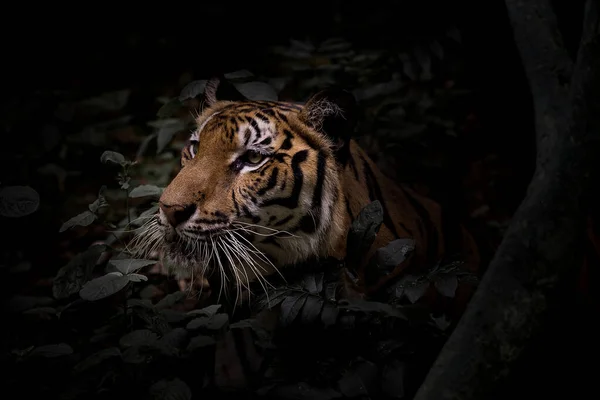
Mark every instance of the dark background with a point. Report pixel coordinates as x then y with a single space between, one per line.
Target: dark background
54 55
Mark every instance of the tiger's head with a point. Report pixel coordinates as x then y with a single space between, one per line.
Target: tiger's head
260 185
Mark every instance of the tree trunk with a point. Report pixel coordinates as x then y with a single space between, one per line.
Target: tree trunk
544 242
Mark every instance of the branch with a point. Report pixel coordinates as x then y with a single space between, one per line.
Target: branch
546 234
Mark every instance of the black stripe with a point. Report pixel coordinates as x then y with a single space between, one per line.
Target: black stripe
353 165
271 183
265 141
292 200
254 125
348 209
285 220
430 230
376 194
235 203
247 135
287 143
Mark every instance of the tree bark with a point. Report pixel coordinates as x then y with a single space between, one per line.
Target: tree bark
544 241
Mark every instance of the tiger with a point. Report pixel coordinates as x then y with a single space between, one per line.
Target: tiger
264 185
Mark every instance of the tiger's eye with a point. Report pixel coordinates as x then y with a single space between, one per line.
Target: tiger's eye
253 157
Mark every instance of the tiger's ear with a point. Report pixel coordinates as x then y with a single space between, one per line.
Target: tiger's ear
218 88
332 112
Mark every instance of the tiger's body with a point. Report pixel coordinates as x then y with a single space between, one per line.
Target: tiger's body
269 184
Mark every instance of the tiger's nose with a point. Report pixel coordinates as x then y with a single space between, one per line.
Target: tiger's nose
176 214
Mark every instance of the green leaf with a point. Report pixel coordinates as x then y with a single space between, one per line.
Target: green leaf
146 191
290 308
97 358
313 283
52 350
192 90
138 337
20 303
329 315
446 285
312 309
175 338
104 286
100 202
394 253
71 278
170 300
137 278
207 311
169 108
257 91
218 322
18 201
363 231
174 389
415 292
143 217
83 219
197 323
113 157
199 342
166 128
130 265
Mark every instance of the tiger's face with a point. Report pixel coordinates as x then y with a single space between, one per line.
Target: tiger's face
259 188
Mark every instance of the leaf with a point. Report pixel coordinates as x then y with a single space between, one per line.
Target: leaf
218 322
371 307
197 323
18 201
145 191
166 128
83 219
71 278
103 286
137 278
174 389
199 342
414 293
312 309
257 91
143 217
52 350
329 315
173 316
99 202
20 303
208 311
363 231
97 358
446 285
169 108
441 322
138 337
313 283
358 379
113 157
392 379
192 90
243 73
290 308
175 338
170 300
130 265
394 253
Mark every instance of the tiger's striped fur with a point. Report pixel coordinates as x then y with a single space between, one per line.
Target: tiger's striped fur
262 167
